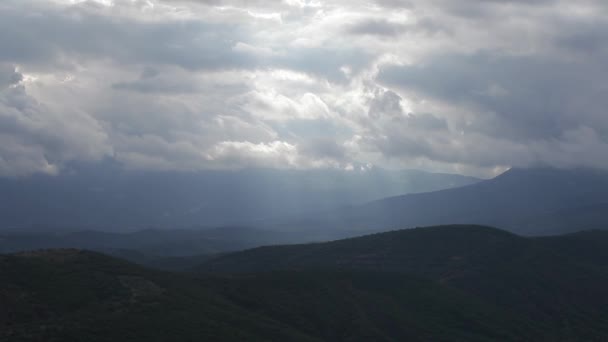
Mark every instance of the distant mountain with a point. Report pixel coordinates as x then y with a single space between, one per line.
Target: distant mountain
108 197
169 249
150 244
453 283
525 201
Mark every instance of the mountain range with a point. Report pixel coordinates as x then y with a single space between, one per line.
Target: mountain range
524 201
107 197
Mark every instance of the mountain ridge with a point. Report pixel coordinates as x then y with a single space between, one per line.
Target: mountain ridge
524 201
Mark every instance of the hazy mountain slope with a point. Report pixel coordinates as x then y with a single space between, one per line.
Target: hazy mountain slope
151 243
532 277
525 201
166 249
109 197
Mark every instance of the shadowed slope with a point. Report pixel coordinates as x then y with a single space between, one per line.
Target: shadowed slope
532 277
72 295
451 283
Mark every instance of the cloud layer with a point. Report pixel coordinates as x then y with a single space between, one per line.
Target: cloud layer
461 86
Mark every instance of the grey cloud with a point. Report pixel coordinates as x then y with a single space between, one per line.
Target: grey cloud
167 117
152 81
9 76
173 131
480 9
64 36
382 28
576 147
395 3
324 148
427 122
149 72
385 103
231 83
523 97
523 113
588 38
152 85
326 61
378 27
36 138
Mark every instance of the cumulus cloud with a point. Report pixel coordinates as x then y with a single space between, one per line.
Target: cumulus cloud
39 138
465 86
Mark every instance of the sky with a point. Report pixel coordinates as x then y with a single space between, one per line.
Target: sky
464 86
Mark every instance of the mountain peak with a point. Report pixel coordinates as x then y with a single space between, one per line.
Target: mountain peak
547 170
580 176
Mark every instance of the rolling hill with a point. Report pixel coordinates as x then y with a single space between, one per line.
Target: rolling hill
449 283
560 281
173 249
73 295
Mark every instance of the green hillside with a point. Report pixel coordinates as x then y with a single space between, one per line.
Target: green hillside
71 295
429 251
558 283
371 306
450 283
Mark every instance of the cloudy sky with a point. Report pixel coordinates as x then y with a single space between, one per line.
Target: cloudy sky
468 86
